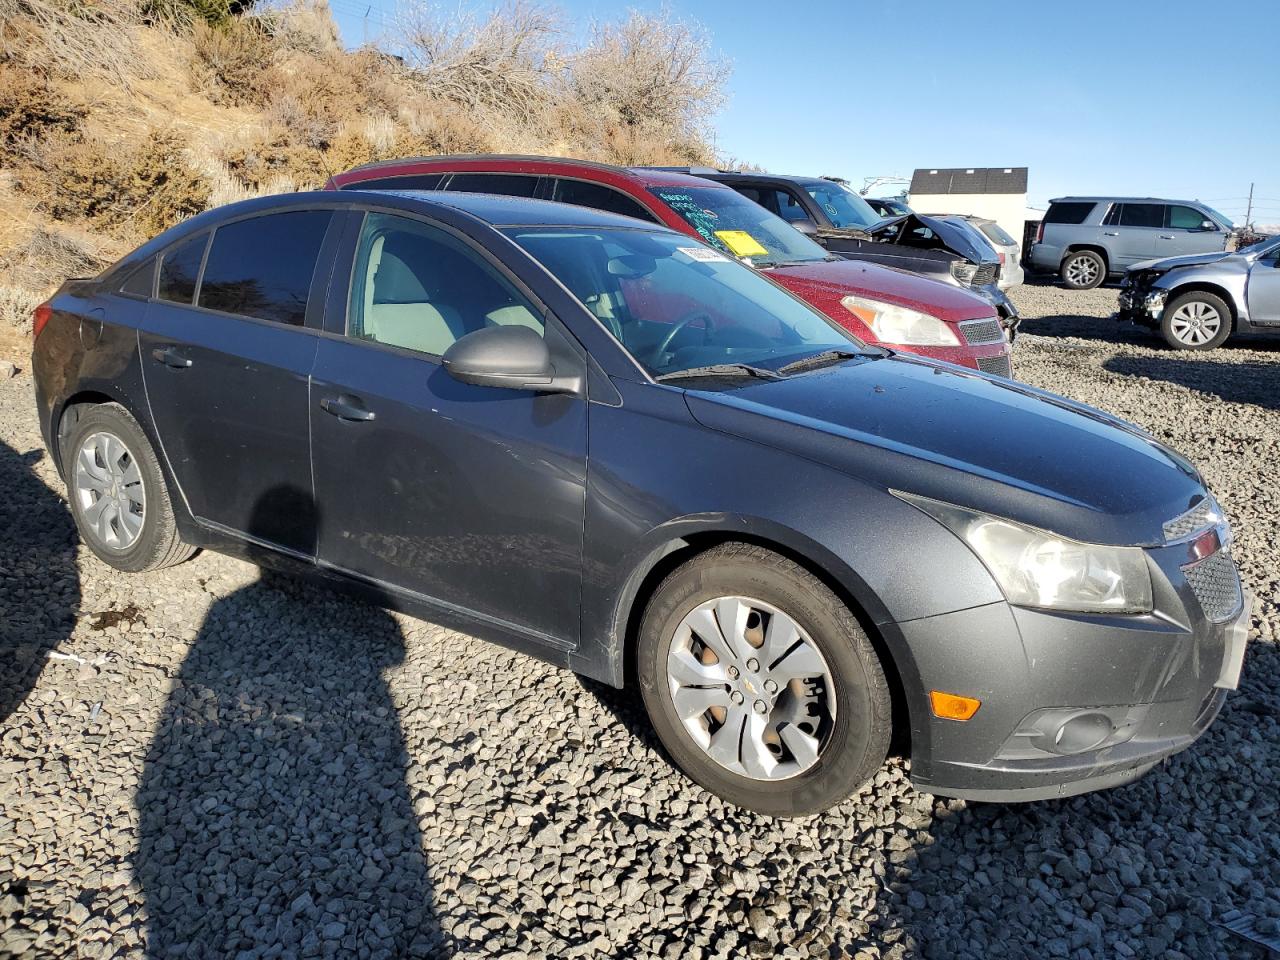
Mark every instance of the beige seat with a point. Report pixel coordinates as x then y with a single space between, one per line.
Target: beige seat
398 311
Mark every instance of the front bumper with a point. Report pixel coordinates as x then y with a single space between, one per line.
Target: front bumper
1147 686
1142 305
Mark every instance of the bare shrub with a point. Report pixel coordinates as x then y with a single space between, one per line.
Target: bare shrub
287 112
75 39
305 26
139 192
16 305
650 74
231 60
500 62
31 105
44 256
443 128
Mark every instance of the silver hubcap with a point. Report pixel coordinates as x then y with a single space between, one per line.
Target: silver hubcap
109 491
1195 323
1082 270
751 688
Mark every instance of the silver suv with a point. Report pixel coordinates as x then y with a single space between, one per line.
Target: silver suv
1086 239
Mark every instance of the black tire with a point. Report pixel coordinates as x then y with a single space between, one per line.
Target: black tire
1083 269
858 738
158 543
1191 300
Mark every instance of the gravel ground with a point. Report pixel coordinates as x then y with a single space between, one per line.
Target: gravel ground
205 762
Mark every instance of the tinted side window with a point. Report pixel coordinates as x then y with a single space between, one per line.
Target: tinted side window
262 267
179 269
790 208
507 184
141 281
599 197
1184 218
417 181
1068 212
417 287
1142 215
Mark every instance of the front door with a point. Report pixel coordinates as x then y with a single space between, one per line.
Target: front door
1185 234
469 496
1264 288
227 360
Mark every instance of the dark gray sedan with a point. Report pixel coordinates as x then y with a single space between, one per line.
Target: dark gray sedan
605 444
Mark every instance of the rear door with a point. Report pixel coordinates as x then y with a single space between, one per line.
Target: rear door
227 355
1132 230
1185 233
471 497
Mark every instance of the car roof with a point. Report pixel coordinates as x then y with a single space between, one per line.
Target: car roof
520 163
503 211
1120 200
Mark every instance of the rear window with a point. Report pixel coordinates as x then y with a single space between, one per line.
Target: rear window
180 268
262 267
998 234
141 281
1068 212
505 184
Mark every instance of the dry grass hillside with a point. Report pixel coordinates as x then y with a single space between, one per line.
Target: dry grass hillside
119 118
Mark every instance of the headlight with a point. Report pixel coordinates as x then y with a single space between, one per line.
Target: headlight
894 324
964 272
1036 568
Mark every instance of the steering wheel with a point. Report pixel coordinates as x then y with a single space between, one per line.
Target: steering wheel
697 314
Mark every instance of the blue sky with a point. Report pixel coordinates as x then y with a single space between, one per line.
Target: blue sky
1147 98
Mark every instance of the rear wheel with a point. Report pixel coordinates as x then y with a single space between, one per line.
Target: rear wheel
1196 321
117 492
761 683
1083 269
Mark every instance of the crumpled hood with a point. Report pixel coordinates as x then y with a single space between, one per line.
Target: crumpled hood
826 282
990 444
1191 260
957 239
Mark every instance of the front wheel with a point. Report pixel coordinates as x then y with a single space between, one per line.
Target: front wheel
1196 321
761 683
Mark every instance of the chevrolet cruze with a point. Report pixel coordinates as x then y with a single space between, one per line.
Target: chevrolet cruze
611 446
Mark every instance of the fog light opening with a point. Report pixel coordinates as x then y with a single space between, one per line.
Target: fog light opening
953 706
1087 731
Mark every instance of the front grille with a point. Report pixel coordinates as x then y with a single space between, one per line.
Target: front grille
982 331
987 273
998 365
1202 516
1216 585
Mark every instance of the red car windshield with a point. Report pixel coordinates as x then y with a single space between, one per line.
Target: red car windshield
732 223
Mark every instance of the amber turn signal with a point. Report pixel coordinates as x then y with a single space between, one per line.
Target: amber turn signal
952 706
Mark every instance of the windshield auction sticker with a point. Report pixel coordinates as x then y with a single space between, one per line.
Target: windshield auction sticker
703 254
741 243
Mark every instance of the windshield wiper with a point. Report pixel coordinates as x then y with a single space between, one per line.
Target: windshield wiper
825 358
722 370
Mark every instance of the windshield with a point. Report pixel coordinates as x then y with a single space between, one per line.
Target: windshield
847 210
730 222
1265 245
675 304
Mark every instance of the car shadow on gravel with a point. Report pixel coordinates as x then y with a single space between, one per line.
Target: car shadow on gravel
39 582
1255 383
274 813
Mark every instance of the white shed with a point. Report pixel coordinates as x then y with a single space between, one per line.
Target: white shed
997 193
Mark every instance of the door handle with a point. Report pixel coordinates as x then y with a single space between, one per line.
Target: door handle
347 407
1110 233
170 357
1167 236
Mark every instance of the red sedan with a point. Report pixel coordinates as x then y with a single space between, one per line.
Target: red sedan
878 304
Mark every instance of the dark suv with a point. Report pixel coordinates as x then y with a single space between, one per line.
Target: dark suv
1087 239
846 224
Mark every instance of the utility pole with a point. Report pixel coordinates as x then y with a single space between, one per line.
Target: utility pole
1248 217
364 30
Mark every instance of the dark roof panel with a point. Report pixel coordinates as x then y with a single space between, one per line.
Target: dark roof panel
949 180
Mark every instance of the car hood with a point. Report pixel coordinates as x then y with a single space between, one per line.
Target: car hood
986 443
957 239
1191 260
825 282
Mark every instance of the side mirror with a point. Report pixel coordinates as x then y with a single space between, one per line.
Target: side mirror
805 226
1208 225
513 357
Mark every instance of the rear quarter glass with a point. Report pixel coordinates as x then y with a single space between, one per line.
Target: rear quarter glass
1069 212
